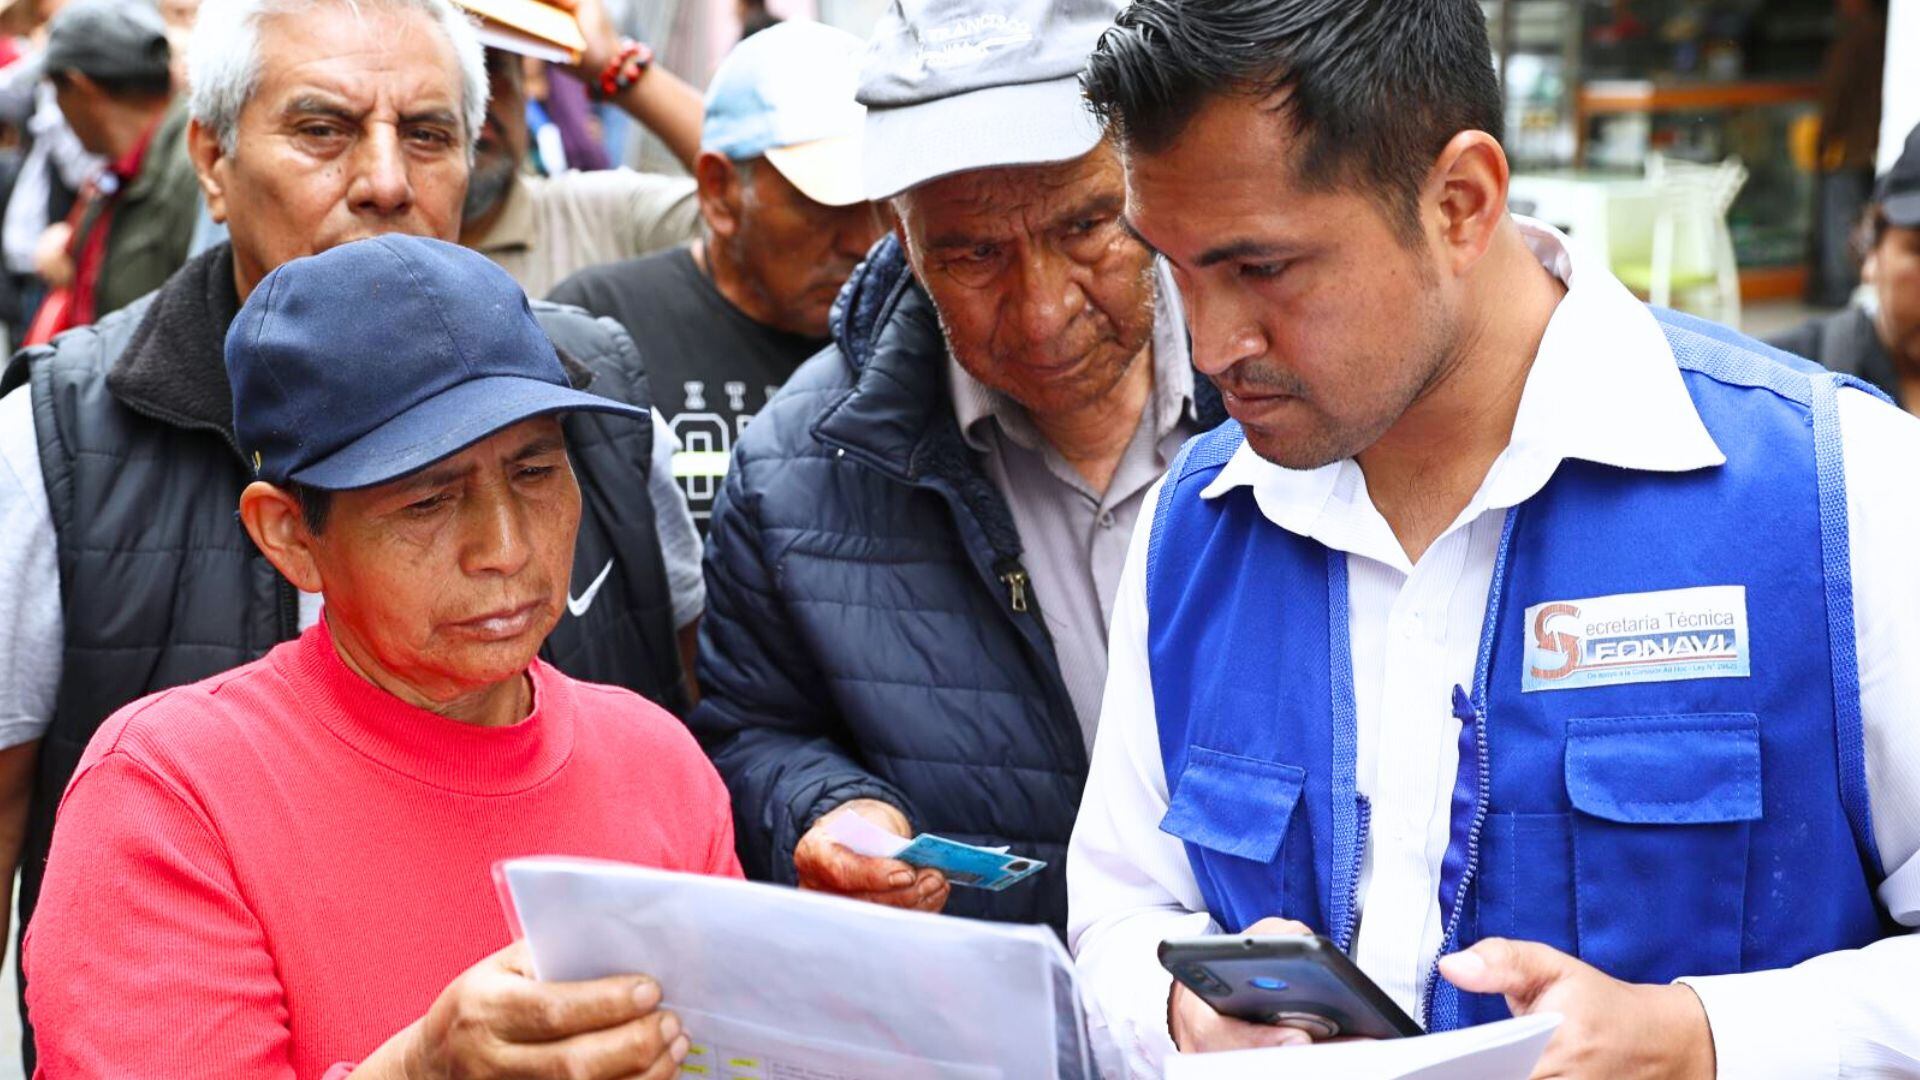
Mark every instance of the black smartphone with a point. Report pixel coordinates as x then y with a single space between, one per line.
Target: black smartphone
1300 980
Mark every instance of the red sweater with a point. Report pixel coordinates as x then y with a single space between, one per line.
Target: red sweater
272 871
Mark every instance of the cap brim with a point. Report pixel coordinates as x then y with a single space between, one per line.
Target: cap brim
1024 124
825 170
444 425
1902 210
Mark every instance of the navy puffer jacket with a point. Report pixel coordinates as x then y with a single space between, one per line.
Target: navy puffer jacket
861 640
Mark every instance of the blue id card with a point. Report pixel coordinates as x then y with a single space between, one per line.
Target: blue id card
964 864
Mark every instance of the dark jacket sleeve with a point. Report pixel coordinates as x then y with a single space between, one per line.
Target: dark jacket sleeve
767 715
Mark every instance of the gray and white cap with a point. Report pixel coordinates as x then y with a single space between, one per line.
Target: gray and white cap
956 85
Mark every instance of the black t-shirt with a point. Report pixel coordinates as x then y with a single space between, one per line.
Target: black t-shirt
711 368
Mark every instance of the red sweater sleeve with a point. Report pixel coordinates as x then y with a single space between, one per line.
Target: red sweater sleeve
143 958
723 859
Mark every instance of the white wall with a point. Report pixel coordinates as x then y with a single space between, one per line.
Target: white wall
1901 112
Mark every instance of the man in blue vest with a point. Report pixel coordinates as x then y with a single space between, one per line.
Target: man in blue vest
1542 650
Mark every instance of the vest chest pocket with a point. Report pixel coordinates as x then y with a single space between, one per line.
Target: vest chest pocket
1238 810
1660 840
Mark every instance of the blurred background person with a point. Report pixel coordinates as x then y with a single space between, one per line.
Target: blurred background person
181 17
110 66
1878 339
543 229
725 320
53 166
1850 89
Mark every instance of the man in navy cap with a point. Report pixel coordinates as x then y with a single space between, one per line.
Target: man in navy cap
124 571
299 850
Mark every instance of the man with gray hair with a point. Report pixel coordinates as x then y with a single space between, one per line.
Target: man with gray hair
122 569
912 561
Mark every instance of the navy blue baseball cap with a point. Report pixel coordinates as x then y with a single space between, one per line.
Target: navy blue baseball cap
377 358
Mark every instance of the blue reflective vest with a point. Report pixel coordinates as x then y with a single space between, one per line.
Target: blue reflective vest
1652 821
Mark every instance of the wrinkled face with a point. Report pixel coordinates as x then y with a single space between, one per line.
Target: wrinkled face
449 580
355 130
1320 323
795 253
1893 269
1042 293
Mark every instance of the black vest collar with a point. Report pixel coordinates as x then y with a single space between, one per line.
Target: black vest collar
174 368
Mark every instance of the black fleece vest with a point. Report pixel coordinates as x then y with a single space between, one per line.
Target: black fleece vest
160 584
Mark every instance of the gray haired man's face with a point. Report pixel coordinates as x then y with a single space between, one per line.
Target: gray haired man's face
355 130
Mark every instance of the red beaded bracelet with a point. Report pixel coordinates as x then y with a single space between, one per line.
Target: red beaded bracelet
624 69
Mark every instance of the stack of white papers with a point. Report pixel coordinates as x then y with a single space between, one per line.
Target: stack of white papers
1507 1050
776 984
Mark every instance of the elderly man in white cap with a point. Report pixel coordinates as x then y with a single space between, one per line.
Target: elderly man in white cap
912 561
725 320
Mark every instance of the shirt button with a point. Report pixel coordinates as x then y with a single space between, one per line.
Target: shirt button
1106 520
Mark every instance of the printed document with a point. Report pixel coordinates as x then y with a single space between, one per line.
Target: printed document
1507 1050
778 984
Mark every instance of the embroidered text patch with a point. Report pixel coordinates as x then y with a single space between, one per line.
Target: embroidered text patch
1637 637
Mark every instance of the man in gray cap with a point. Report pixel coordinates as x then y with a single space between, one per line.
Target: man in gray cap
912 562
108 62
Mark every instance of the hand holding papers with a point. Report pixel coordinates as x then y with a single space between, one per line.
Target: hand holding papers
777 984
1504 1051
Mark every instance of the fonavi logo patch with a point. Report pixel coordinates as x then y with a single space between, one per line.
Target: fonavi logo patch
1698 633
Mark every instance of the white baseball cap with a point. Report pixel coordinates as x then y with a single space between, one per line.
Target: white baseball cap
787 94
956 85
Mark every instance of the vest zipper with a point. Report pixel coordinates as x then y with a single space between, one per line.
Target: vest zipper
1471 710
1020 601
1363 812
1473 716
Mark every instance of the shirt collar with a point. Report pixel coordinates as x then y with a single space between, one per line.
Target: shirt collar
976 405
1603 359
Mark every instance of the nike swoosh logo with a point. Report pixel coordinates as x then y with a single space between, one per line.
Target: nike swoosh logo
579 607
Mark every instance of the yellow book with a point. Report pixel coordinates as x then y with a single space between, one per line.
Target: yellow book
528 27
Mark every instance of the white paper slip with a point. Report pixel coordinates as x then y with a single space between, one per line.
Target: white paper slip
1507 1050
862 837
778 984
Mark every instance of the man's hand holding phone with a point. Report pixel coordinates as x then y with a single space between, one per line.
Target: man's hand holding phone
1197 1029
